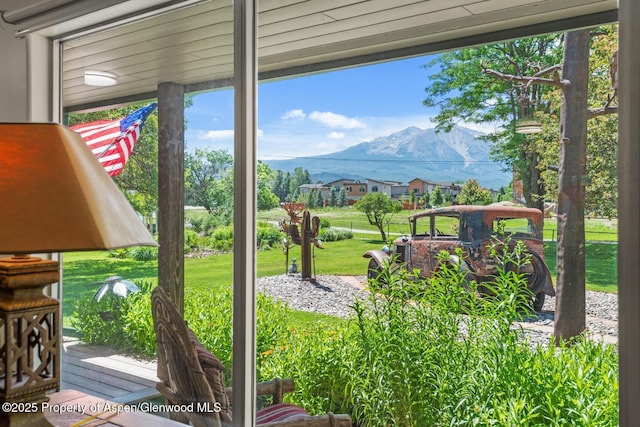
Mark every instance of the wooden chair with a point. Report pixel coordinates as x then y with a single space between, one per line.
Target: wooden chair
193 379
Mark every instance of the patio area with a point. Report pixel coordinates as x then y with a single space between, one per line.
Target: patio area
107 373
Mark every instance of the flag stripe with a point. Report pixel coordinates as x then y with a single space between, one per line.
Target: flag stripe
112 141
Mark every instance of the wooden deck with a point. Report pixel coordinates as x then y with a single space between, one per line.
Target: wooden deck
107 373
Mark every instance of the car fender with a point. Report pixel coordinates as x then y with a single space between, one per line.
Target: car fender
382 258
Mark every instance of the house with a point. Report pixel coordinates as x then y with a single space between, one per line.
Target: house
354 189
379 186
305 189
422 186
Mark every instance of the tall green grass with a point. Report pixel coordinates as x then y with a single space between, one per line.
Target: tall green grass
421 363
407 357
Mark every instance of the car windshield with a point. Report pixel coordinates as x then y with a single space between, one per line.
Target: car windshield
436 226
519 227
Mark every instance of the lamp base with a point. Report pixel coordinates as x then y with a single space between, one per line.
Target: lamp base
30 337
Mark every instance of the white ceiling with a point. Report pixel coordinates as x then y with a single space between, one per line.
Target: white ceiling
194 45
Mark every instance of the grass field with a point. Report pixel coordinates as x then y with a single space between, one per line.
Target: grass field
600 230
84 271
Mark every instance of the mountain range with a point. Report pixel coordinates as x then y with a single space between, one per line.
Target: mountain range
411 153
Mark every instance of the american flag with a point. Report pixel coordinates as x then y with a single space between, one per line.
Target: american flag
112 141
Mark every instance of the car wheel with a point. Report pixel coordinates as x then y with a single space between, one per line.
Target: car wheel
374 270
538 301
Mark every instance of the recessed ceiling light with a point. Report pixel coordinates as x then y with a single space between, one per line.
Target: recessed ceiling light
99 78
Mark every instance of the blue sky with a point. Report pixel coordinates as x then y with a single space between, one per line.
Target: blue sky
320 113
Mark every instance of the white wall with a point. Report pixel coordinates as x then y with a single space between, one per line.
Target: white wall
13 71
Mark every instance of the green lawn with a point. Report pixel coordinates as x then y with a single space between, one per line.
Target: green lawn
83 271
595 229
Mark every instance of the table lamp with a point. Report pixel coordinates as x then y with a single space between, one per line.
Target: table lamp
56 198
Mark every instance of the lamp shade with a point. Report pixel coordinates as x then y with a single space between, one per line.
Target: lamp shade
56 196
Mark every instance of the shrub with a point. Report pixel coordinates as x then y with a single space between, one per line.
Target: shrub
136 253
333 234
192 241
268 236
222 238
128 323
143 253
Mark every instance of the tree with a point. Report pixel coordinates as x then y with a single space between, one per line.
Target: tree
342 198
310 199
278 186
575 111
209 181
412 196
576 107
570 316
473 194
436 196
300 176
333 196
266 199
426 199
379 208
319 199
464 92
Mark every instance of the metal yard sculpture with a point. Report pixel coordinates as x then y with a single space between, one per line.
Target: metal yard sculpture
306 237
294 211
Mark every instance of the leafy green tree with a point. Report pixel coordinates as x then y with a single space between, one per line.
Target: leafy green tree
379 208
425 199
473 194
412 196
209 182
266 199
436 196
601 195
465 91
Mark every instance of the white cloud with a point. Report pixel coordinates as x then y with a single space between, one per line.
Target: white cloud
215 135
336 135
334 120
294 115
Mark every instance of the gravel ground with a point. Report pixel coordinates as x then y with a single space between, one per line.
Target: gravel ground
328 295
333 294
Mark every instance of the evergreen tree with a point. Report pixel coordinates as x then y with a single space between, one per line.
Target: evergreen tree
277 186
333 197
342 198
319 199
436 196
286 188
311 199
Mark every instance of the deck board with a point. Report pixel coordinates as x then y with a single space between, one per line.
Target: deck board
104 372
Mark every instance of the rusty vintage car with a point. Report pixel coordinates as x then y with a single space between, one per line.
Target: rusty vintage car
470 228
